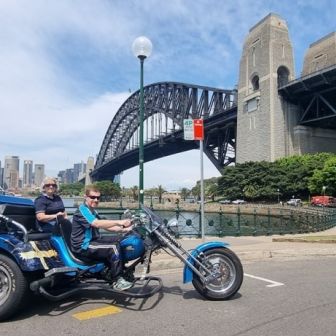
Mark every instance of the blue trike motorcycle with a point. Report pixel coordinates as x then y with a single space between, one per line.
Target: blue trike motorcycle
33 262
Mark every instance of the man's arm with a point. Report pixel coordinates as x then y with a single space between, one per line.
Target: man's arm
115 225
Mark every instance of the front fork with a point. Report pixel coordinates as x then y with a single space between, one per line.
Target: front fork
191 259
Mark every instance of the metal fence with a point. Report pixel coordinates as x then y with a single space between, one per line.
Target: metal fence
242 221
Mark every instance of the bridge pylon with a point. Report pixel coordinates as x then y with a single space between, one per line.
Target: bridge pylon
278 115
264 123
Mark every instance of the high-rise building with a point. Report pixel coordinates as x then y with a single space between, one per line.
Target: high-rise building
61 176
1 175
78 170
38 174
11 172
89 168
69 175
27 173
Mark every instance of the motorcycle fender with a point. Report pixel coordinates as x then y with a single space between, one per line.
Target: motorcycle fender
8 243
187 272
30 256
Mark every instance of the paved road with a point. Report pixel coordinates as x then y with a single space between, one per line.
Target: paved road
278 297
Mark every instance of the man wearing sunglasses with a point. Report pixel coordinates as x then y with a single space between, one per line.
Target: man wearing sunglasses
48 206
87 242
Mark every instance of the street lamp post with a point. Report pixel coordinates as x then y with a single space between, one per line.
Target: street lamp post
324 189
142 48
278 190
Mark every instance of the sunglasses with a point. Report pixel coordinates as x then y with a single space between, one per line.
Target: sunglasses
94 197
48 185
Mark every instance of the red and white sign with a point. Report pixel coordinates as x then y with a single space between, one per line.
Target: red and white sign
198 129
193 129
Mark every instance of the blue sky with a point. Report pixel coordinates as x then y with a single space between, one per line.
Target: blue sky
67 66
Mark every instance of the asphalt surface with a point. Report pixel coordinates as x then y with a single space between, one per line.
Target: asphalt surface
259 248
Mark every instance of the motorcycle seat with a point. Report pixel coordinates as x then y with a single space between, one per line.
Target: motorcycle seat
25 215
63 228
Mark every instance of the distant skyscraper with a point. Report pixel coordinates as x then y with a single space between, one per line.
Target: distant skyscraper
38 174
61 176
1 175
69 175
27 173
79 170
20 183
89 168
11 172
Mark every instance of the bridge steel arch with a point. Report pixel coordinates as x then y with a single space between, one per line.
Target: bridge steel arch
173 102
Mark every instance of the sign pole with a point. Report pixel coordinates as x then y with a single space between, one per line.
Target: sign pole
202 190
194 130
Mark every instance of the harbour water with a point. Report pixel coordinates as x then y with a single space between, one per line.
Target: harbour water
258 221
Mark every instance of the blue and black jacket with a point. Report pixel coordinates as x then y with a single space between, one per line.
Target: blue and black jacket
82 230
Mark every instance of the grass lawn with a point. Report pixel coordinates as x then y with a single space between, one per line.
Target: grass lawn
319 238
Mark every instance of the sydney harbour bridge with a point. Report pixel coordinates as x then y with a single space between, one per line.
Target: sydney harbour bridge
167 104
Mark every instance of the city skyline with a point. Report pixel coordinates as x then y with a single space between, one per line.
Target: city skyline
17 175
76 68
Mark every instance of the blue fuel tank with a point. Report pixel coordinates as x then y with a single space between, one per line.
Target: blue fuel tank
132 247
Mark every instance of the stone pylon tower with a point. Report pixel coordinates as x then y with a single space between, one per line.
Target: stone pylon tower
89 168
264 124
319 56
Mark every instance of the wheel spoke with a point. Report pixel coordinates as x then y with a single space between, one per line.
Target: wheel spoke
5 284
218 263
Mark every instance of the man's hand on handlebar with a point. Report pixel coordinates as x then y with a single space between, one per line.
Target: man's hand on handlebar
126 223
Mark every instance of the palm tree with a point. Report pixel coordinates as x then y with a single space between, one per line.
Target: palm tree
196 191
211 190
134 191
160 190
185 193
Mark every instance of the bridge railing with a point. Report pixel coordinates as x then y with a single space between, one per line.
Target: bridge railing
241 221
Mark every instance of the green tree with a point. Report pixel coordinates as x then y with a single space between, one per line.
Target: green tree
211 190
134 191
325 177
71 189
185 192
108 189
159 192
196 191
295 175
299 170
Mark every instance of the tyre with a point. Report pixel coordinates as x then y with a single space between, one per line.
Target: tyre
13 287
228 264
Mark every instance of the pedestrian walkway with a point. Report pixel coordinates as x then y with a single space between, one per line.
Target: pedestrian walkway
250 248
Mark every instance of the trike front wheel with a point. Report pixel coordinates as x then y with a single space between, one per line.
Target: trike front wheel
224 262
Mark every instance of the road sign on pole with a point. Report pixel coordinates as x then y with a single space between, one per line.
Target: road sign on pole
188 128
193 129
198 129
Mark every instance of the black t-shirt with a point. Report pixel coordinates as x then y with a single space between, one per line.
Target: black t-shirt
50 206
